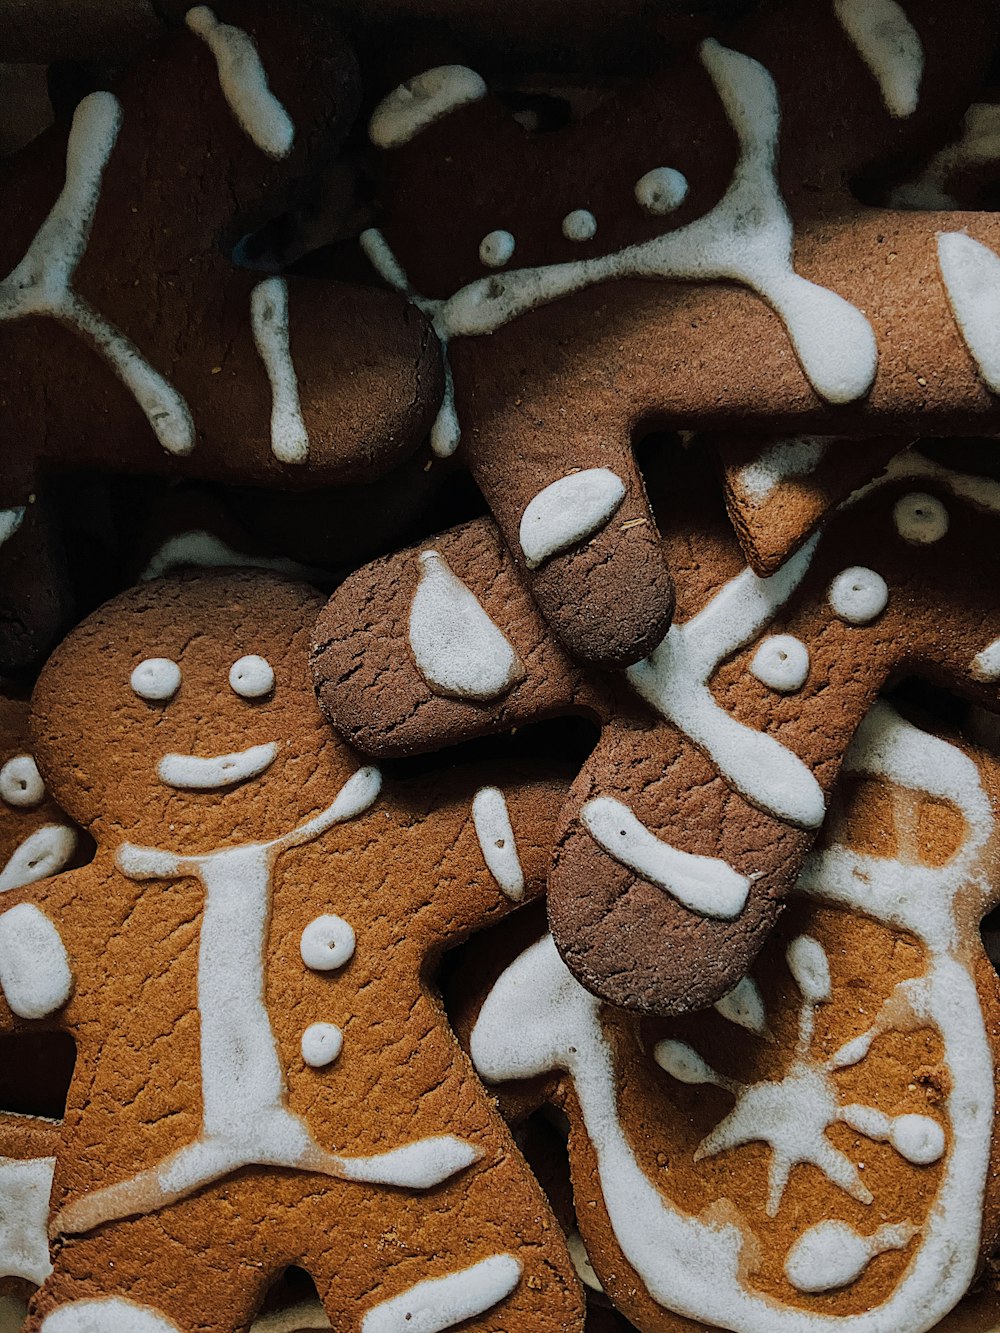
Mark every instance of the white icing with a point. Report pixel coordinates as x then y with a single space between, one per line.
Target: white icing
245 1117
193 773
34 968
156 679
567 511
10 521
782 663
107 1314
41 284
744 1006
978 143
327 943
833 1254
684 1063
704 884
971 273
272 338
858 595
581 1261
21 783
890 46
458 649
747 237
24 1213
781 460
321 1044
986 665
920 518
244 83
206 550
252 677
421 101
661 190
579 225
496 249
674 681
538 1018
442 1302
918 1138
42 853
981 492
808 964
491 820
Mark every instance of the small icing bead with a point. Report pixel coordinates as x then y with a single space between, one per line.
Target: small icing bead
661 190
252 677
156 679
580 225
321 1044
496 248
327 943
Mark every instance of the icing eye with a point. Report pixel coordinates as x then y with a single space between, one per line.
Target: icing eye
661 190
20 782
580 225
782 663
156 679
920 519
496 248
252 677
858 595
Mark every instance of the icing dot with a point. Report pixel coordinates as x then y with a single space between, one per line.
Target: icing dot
156 679
858 595
321 1044
580 225
920 518
252 677
918 1138
327 943
20 782
661 190
496 248
782 663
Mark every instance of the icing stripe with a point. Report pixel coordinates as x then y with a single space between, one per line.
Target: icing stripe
422 100
24 1215
491 820
110 1314
244 83
442 1302
890 46
44 852
269 319
971 273
702 883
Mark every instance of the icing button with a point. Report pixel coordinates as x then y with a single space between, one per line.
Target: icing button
321 1044
327 943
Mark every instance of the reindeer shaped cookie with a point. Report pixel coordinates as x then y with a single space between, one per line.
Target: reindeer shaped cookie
130 339
688 823
685 251
263 1076
818 1151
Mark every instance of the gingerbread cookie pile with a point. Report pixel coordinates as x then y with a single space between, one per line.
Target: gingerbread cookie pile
500 623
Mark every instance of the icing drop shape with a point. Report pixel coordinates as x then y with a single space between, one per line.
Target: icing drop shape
683 1062
986 665
34 968
808 964
10 521
568 511
251 677
191 772
661 190
21 783
890 46
781 460
833 1254
704 884
272 338
744 1006
458 649
496 249
782 663
41 284
44 852
971 273
491 820
443 1302
579 225
920 519
858 595
109 1314
25 1186
244 83
327 943
422 100
321 1044
156 679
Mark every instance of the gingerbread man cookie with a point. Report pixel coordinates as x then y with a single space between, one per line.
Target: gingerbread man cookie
685 251
130 339
688 823
818 1151
264 1076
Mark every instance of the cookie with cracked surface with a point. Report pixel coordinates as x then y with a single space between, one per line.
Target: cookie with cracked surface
265 1075
806 1153
688 823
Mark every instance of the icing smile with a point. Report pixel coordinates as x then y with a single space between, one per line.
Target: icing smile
192 773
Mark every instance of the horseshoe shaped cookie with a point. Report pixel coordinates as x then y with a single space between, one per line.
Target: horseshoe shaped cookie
689 821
